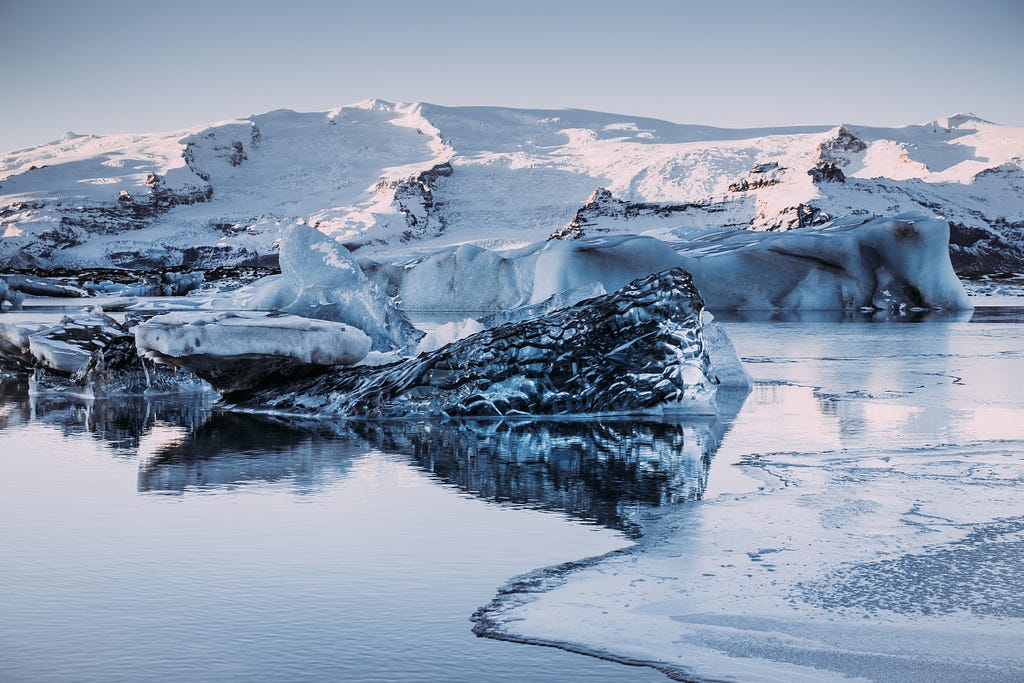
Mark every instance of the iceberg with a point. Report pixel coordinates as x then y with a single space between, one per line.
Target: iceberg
41 286
895 264
320 279
886 264
241 350
88 354
637 350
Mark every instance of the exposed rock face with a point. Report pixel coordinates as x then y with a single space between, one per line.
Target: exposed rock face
638 349
838 149
602 204
827 173
802 216
978 251
760 176
415 198
833 155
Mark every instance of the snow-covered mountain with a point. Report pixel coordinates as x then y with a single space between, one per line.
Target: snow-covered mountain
390 179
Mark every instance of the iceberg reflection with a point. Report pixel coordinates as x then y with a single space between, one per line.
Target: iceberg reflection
120 424
597 470
234 449
600 471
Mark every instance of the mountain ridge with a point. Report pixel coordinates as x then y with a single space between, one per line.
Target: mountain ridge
388 179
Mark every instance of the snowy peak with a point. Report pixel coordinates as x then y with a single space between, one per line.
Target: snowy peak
387 177
959 120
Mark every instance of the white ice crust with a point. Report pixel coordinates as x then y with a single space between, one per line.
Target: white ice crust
861 522
251 333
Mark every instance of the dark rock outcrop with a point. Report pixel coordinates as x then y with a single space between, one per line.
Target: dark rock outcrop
416 199
601 204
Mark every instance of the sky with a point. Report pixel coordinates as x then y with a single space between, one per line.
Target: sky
113 66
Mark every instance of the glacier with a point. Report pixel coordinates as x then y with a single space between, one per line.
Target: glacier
388 178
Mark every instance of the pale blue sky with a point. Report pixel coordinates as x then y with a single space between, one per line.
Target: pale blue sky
118 66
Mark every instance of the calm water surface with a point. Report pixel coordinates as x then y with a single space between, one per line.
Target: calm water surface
160 539
157 541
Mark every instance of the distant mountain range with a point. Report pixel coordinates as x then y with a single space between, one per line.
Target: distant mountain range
390 180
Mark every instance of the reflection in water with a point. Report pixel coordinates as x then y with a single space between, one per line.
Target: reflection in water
596 470
235 448
843 316
600 470
118 423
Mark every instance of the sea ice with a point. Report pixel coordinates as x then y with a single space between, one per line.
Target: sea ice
861 521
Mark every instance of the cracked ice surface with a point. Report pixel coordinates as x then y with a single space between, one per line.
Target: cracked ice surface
862 520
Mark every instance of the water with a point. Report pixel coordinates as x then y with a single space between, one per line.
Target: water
162 540
155 540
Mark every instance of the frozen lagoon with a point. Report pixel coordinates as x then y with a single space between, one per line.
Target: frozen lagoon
872 465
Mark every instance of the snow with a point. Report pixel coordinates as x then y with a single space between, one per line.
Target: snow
516 176
249 333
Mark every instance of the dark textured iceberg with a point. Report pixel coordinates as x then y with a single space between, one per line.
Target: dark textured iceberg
637 350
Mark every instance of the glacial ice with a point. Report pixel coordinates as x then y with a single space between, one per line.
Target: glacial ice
890 264
320 279
637 350
895 263
41 286
88 354
165 284
67 347
240 350
459 329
